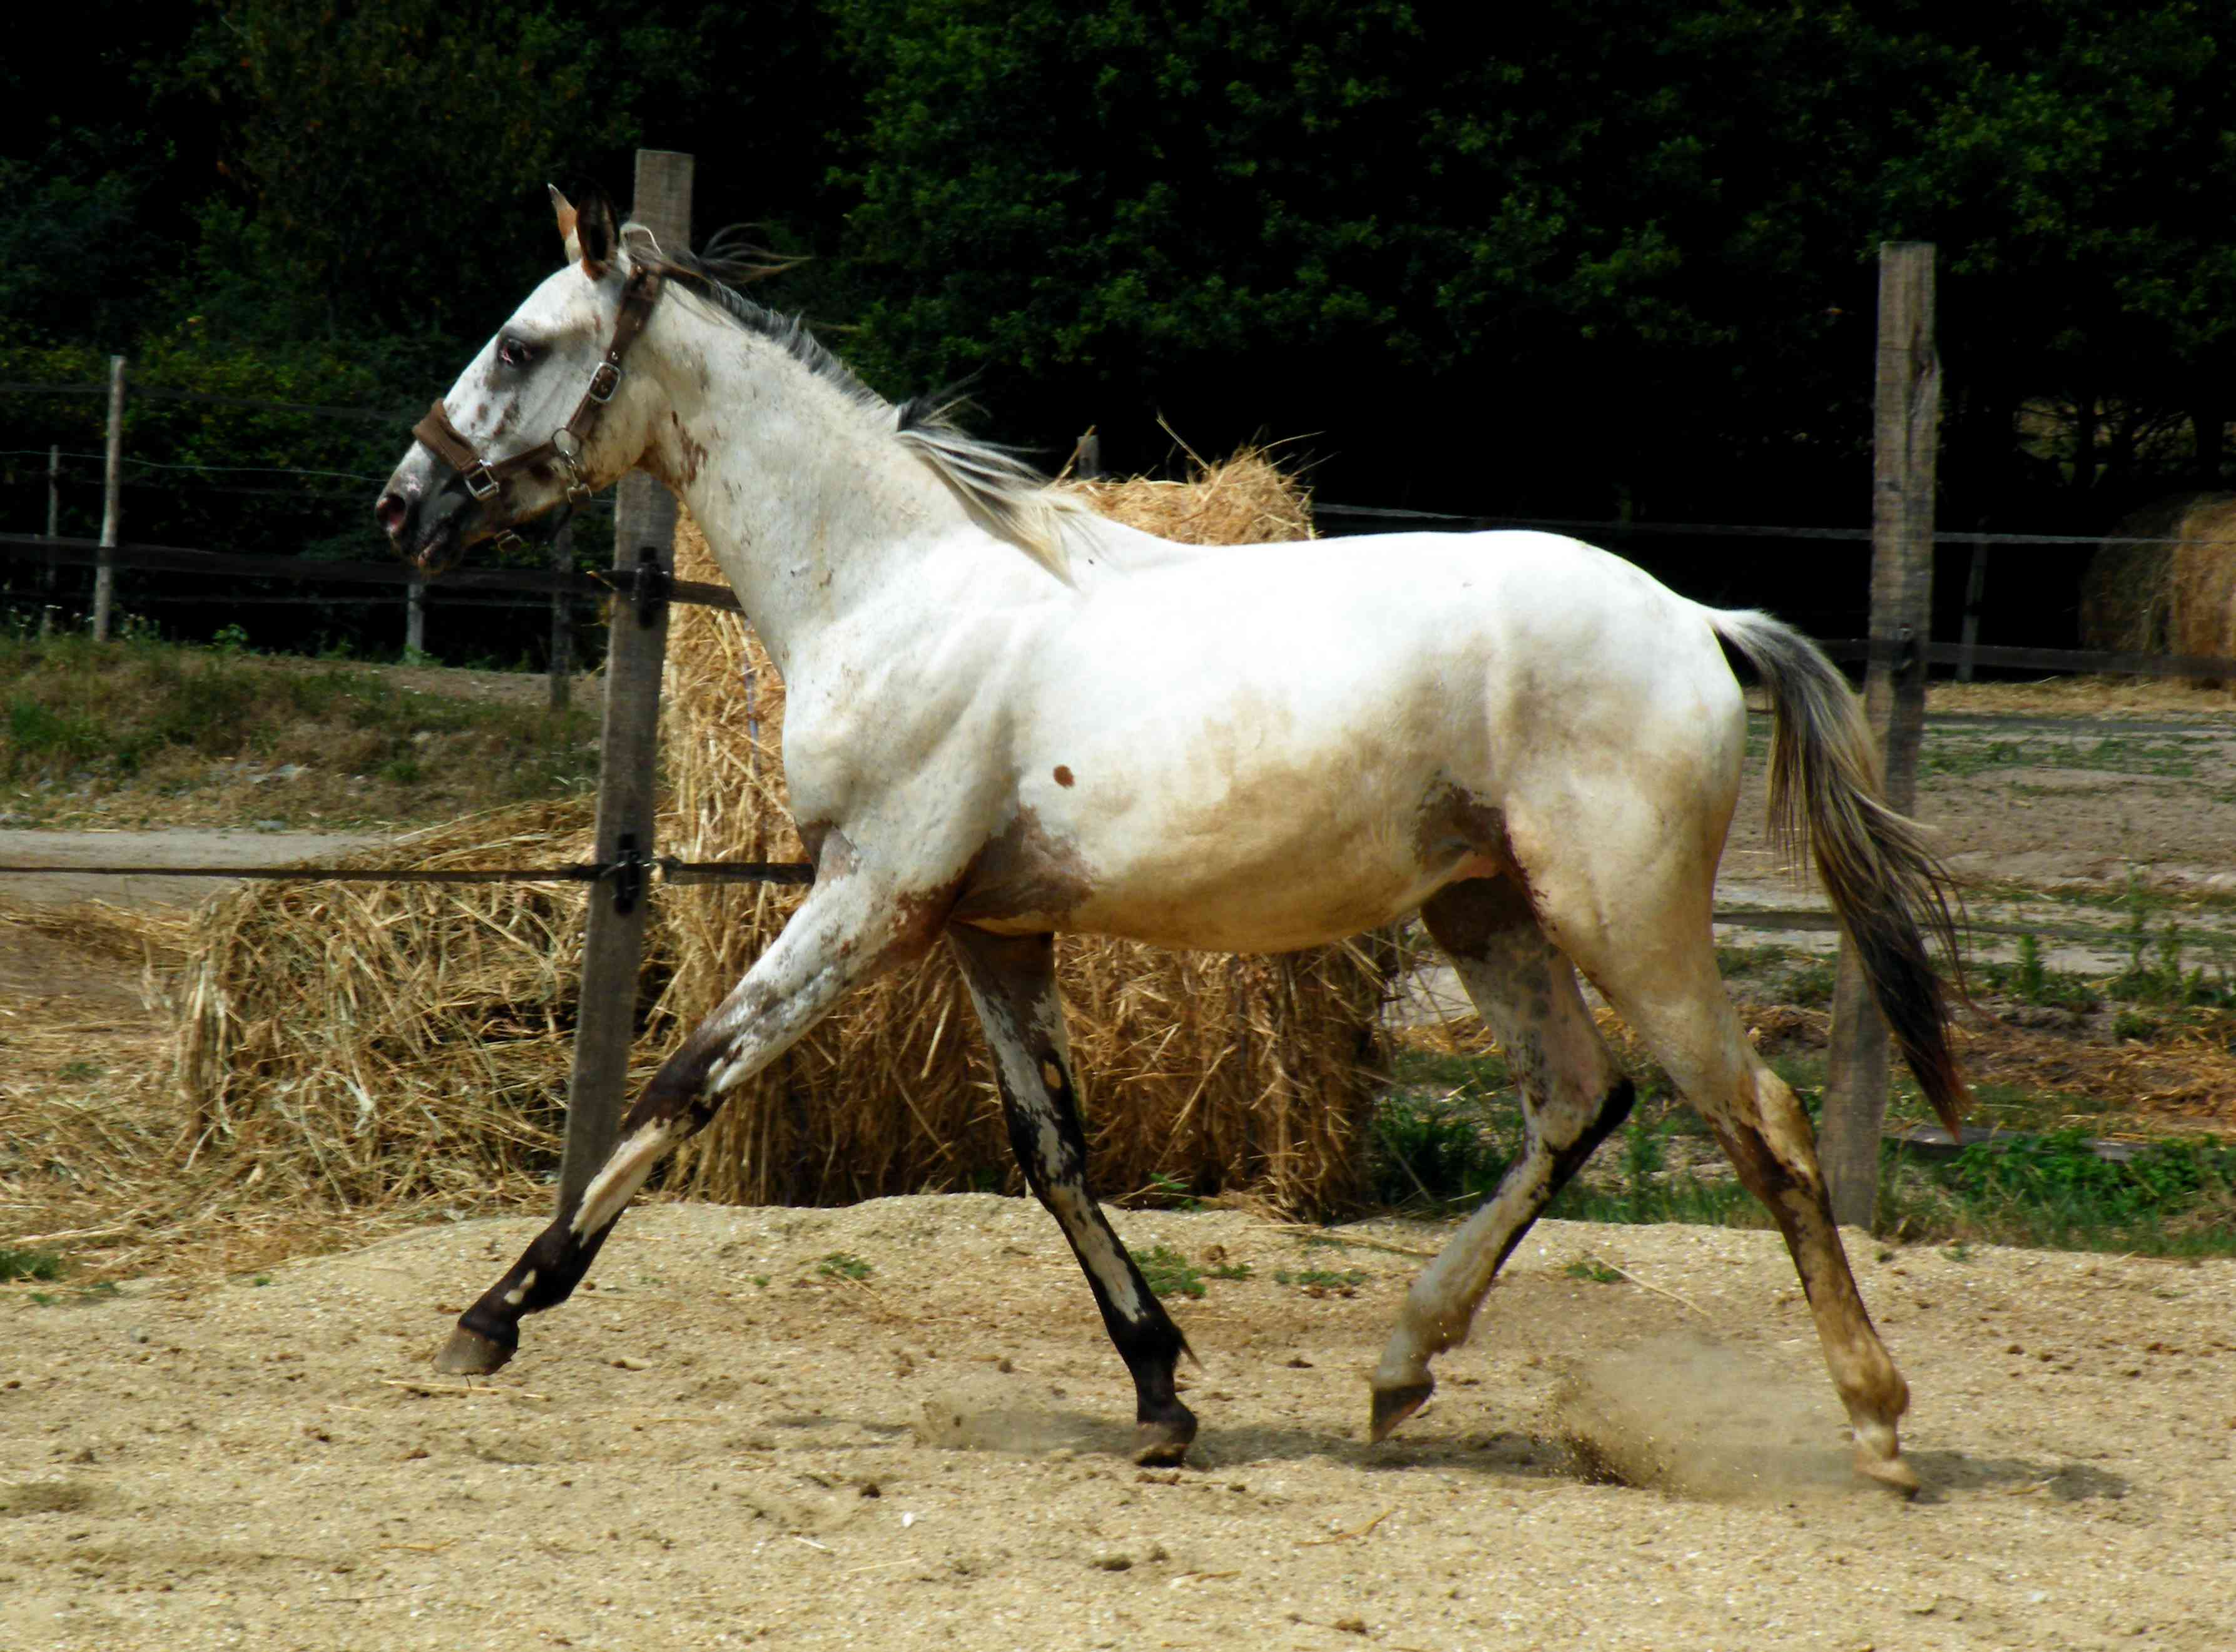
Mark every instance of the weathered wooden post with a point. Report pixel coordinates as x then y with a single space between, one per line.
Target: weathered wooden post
415 622
1907 429
104 572
1976 587
563 620
612 945
54 531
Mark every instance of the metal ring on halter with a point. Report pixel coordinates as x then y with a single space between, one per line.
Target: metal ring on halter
569 447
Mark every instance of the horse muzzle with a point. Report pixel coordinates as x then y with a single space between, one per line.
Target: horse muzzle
428 530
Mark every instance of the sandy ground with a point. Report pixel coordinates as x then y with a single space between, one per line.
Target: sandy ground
688 1456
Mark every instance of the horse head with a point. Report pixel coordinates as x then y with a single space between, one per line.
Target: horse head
547 412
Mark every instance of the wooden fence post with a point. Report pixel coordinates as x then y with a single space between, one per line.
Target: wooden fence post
415 622
563 620
104 572
613 944
1908 428
54 531
1976 587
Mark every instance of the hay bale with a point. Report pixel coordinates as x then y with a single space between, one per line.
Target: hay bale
365 1045
2174 595
1249 1077
2203 581
376 1045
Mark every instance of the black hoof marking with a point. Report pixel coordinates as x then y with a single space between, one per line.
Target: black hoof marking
469 1354
1393 1405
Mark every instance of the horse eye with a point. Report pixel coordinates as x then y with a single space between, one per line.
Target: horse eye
513 353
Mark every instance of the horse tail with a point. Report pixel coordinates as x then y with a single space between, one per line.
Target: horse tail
1890 889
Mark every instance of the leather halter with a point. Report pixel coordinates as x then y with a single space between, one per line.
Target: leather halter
487 479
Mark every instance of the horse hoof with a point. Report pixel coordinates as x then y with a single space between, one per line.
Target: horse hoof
1890 1471
469 1354
1164 1442
1394 1406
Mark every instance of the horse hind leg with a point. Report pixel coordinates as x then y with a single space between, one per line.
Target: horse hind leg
1572 1097
1012 982
804 972
1660 976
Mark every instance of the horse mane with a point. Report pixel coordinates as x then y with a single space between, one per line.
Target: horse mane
997 485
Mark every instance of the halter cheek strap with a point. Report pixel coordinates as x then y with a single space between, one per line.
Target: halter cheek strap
486 479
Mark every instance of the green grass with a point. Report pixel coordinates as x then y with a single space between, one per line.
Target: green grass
1960 754
29 1264
1167 1273
2175 1198
1598 1272
152 725
1342 1282
843 1264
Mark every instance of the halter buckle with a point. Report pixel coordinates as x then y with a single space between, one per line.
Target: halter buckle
508 543
605 381
480 481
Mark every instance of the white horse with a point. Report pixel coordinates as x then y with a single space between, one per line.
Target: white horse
1009 718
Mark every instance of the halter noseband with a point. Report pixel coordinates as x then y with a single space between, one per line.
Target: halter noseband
485 479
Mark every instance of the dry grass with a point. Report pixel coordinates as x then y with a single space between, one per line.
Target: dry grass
2081 697
97 1153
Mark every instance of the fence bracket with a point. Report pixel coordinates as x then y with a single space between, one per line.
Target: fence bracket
650 588
630 870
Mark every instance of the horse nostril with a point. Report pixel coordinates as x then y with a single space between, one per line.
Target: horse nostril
391 512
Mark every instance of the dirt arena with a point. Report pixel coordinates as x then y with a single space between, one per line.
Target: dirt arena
933 1455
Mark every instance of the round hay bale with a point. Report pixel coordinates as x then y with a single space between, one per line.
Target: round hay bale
2172 593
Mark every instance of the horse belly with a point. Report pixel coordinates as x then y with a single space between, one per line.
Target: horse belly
1245 874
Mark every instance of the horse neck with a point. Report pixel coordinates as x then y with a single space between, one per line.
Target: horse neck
806 500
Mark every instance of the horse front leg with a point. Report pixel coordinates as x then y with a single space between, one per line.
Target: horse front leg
1012 981
846 932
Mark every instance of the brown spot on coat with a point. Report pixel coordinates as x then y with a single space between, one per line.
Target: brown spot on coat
1062 776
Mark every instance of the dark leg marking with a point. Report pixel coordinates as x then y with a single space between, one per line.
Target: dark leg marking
1012 981
676 1103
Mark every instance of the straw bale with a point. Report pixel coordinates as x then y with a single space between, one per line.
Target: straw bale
1248 1078
2177 596
2203 584
368 1043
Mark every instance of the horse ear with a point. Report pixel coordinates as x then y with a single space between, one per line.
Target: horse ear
595 234
564 209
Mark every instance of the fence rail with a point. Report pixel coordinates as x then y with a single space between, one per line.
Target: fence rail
600 586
